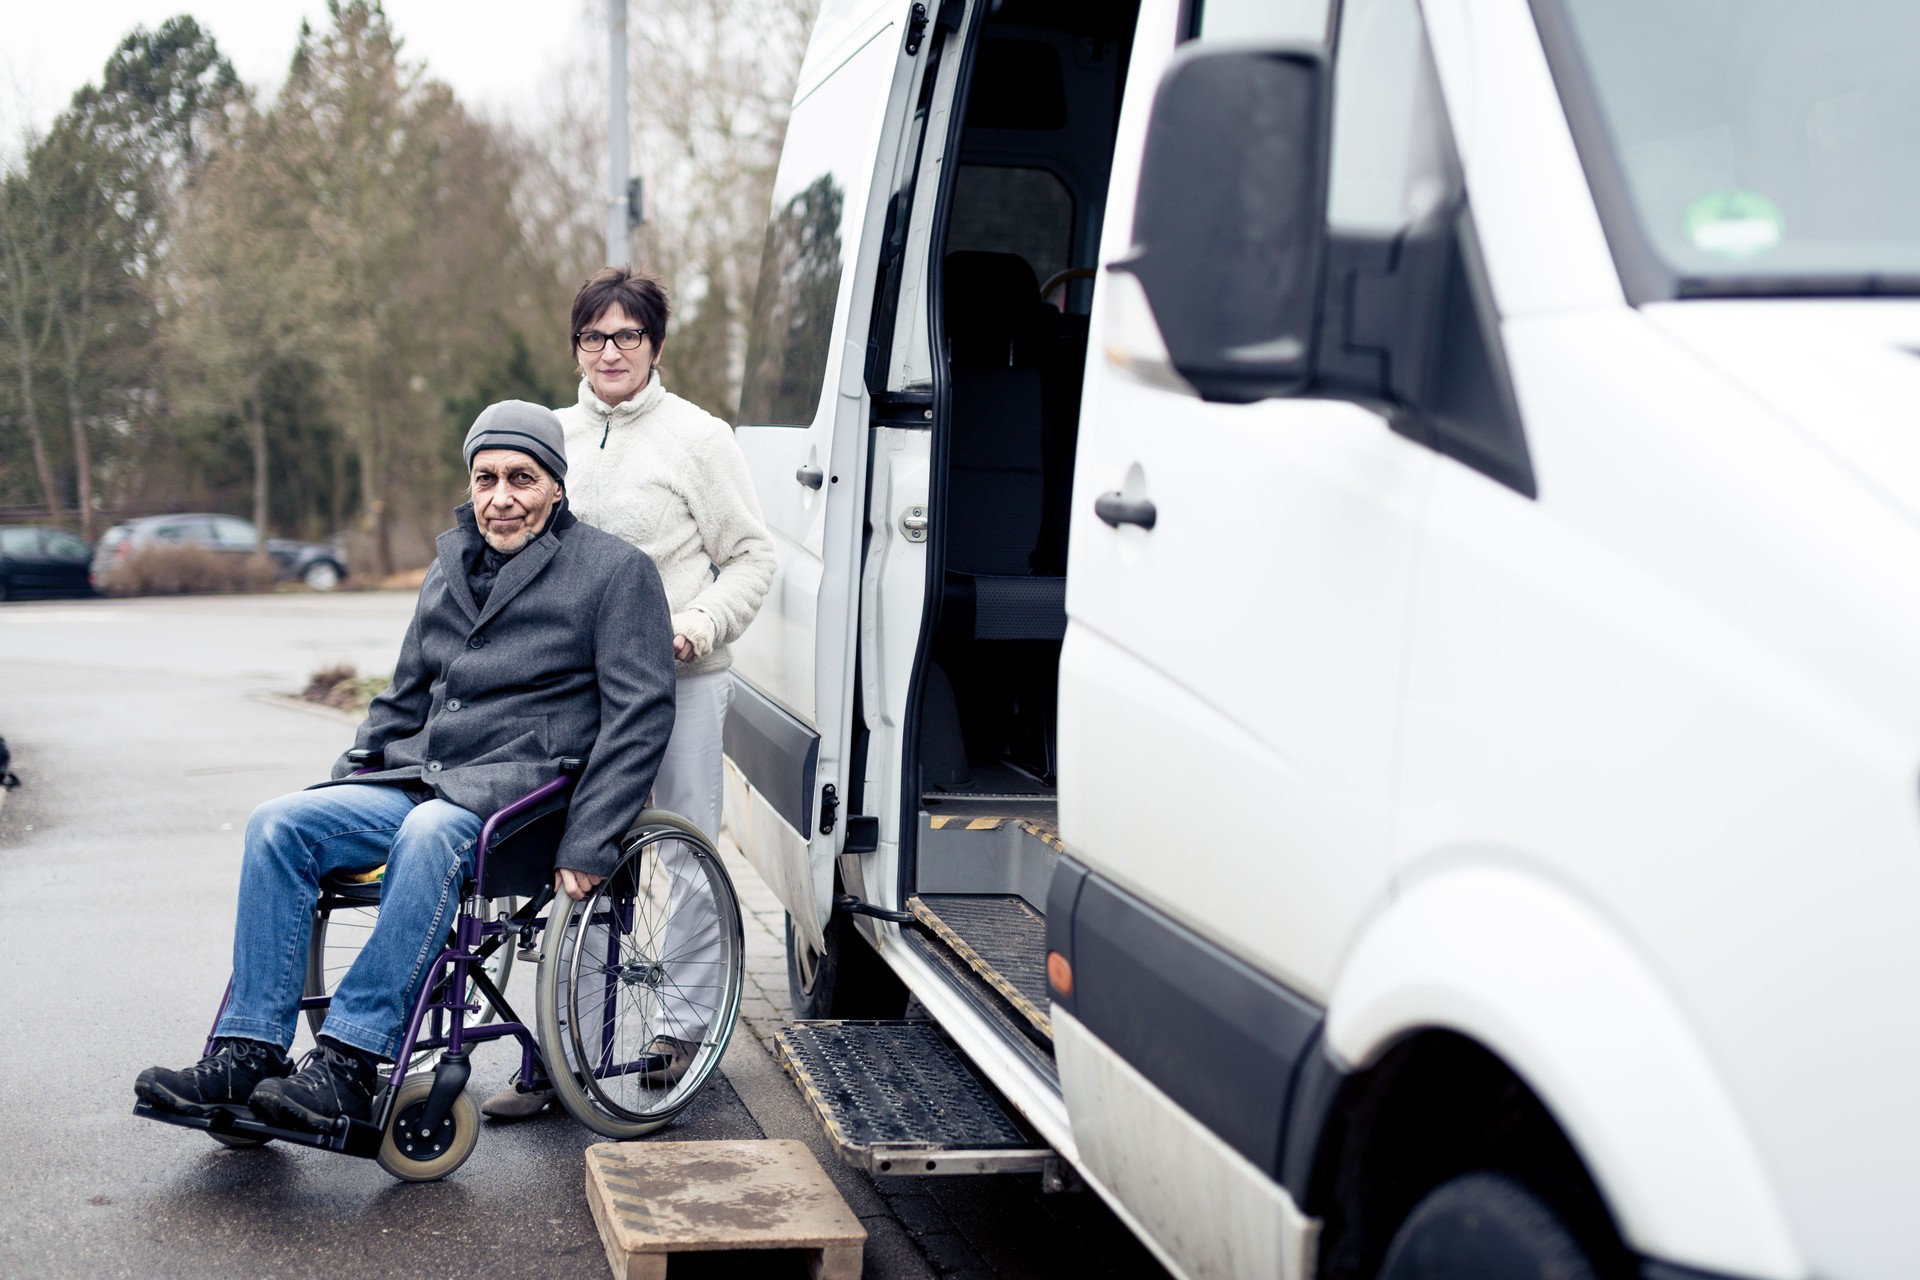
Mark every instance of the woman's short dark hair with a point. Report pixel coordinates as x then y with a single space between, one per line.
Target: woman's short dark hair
640 295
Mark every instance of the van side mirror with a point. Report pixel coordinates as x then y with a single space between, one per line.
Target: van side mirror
1229 229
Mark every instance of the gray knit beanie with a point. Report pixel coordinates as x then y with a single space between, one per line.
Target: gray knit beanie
523 426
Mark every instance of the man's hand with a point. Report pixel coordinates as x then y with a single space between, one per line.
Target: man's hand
682 649
575 884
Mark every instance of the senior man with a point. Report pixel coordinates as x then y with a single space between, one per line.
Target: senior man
535 638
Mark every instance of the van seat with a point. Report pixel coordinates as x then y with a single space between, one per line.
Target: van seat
996 465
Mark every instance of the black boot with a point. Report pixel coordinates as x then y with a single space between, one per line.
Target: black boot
225 1078
335 1080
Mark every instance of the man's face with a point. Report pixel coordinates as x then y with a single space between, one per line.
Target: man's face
512 498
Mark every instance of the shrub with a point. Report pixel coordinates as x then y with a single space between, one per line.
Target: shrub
343 687
177 571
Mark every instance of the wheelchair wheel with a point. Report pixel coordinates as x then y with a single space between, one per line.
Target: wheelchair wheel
639 983
341 929
414 1156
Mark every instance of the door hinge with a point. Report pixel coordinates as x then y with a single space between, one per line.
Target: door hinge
829 809
916 29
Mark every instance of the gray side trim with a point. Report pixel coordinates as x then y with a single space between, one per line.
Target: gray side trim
777 752
1316 1087
1219 1038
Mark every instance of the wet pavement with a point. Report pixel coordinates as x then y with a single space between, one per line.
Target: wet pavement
144 733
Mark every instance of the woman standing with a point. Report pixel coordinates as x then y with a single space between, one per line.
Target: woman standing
668 477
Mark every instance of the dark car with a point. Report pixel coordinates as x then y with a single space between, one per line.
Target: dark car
37 561
320 565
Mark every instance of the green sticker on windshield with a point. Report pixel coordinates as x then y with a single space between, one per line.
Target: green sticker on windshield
1734 224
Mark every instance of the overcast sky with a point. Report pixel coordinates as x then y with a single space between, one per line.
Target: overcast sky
502 57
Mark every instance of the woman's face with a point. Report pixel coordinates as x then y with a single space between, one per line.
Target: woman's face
616 375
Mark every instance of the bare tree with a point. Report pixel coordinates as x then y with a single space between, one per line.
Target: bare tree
25 246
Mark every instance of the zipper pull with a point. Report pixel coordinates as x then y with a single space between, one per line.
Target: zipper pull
605 427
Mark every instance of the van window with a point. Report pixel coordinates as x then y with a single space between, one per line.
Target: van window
1005 210
20 542
1391 151
1262 20
828 153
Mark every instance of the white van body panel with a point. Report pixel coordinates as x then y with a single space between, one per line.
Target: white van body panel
1542 240
1487 944
1332 498
1618 781
1213 1216
1697 618
801 650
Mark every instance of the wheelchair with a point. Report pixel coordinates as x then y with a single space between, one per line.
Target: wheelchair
603 970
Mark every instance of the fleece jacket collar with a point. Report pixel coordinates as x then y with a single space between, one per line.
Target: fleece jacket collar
626 414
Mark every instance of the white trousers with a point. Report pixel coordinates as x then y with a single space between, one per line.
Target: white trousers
690 784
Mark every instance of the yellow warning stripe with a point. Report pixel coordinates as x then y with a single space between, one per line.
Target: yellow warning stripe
815 1096
1041 1020
1045 832
954 822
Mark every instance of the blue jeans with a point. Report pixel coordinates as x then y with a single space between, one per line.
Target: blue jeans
292 842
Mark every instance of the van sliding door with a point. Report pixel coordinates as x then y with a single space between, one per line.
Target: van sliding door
803 414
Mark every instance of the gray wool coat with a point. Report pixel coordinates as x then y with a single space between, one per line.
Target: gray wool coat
572 656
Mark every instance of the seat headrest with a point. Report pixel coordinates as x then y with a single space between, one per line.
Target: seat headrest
990 303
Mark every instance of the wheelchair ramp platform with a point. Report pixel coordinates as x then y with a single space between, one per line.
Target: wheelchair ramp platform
895 1098
655 1199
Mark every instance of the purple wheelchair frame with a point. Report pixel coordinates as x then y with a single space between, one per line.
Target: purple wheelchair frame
461 961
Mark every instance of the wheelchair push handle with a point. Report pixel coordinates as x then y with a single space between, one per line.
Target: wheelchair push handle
572 766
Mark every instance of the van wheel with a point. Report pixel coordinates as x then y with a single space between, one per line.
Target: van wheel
848 980
1489 1226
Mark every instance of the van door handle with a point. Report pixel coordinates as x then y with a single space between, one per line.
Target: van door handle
1117 510
812 477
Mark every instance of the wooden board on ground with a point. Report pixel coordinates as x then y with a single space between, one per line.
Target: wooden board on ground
652 1199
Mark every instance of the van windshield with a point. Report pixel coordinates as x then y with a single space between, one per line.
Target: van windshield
1748 146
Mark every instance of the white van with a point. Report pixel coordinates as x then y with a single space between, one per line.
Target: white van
1349 622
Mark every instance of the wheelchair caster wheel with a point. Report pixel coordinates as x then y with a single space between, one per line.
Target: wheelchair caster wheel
415 1156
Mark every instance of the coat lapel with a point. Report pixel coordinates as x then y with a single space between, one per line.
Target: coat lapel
451 551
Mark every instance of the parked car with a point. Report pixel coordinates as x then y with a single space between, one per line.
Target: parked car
320 565
38 561
1383 721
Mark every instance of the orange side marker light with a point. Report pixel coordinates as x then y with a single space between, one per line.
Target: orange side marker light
1059 973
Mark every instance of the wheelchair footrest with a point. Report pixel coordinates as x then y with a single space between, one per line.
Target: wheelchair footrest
357 1139
895 1098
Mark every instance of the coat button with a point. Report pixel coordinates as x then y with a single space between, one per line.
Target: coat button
476 642
433 766
453 704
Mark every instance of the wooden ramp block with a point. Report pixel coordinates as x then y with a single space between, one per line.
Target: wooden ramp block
651 1199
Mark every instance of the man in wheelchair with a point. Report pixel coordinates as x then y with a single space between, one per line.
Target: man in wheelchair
536 638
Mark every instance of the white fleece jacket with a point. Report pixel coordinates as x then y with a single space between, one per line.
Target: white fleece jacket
667 476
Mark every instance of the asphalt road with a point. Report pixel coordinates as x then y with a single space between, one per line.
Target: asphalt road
144 733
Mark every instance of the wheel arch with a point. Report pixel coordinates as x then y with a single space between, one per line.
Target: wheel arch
1489 998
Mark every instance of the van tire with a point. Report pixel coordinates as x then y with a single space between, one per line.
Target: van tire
849 980
1490 1226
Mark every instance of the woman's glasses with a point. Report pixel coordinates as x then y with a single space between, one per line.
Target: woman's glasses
594 340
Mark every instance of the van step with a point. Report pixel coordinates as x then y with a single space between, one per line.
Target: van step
896 1099
1002 939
